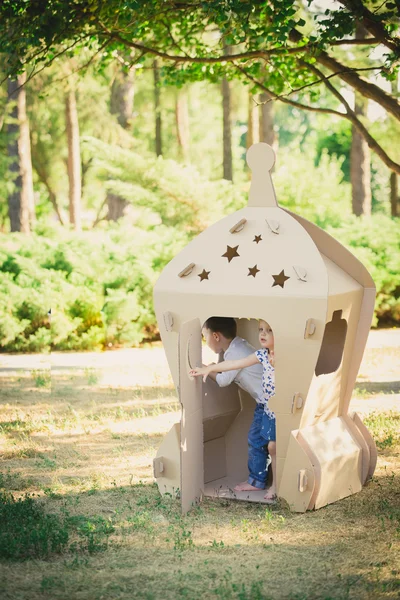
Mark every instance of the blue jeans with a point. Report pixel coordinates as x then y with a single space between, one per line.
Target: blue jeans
258 449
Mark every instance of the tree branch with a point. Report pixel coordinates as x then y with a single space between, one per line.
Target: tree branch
352 117
366 88
206 59
98 218
356 42
371 24
285 100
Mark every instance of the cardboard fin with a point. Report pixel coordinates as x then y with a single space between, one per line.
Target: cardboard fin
339 456
373 453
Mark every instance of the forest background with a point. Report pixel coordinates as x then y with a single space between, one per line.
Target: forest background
115 154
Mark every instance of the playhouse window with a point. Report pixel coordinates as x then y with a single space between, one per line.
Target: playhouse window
331 352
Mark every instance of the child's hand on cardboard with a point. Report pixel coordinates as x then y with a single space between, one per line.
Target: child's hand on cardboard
198 371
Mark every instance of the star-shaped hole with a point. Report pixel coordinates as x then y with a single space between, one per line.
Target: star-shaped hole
204 275
231 253
253 271
257 239
280 279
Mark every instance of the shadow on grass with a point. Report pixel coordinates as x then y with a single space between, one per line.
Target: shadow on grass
131 542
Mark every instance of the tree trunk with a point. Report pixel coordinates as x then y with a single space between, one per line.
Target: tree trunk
182 124
41 171
227 130
121 104
21 201
157 108
360 170
122 97
360 158
252 123
394 181
116 206
74 159
394 195
267 133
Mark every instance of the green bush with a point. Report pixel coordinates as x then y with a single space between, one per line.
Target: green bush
26 531
106 299
99 284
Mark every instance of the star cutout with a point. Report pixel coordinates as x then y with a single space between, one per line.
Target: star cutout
204 275
253 271
231 253
257 238
280 279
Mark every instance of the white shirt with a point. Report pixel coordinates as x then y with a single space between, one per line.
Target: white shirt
250 378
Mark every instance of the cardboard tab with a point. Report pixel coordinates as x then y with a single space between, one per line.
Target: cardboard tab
187 270
310 328
238 227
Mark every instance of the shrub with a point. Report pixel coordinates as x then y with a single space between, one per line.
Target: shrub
26 531
99 284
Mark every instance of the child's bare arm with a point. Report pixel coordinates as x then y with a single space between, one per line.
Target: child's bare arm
227 365
272 358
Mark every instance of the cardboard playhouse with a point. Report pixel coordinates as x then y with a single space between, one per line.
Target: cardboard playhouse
266 262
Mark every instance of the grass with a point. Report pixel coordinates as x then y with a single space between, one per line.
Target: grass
81 517
385 428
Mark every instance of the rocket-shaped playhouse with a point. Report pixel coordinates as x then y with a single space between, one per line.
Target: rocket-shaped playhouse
266 262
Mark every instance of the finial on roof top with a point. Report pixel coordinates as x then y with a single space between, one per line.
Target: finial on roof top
261 159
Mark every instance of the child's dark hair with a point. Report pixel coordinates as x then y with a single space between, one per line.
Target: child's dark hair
224 325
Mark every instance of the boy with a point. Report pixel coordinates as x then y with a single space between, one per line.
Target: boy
220 336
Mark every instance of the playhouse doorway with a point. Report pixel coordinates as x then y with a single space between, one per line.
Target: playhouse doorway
227 416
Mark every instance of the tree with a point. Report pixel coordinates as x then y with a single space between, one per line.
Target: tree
360 156
394 196
266 127
74 158
182 123
226 130
21 200
299 48
122 96
121 105
157 109
360 169
252 136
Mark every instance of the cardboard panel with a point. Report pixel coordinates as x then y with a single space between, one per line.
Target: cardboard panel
169 478
373 454
190 388
236 440
191 398
214 460
297 483
219 400
346 261
218 426
365 452
339 456
285 424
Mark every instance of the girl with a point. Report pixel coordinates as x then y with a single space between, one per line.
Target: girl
266 356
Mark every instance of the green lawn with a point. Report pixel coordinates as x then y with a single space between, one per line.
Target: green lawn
81 517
